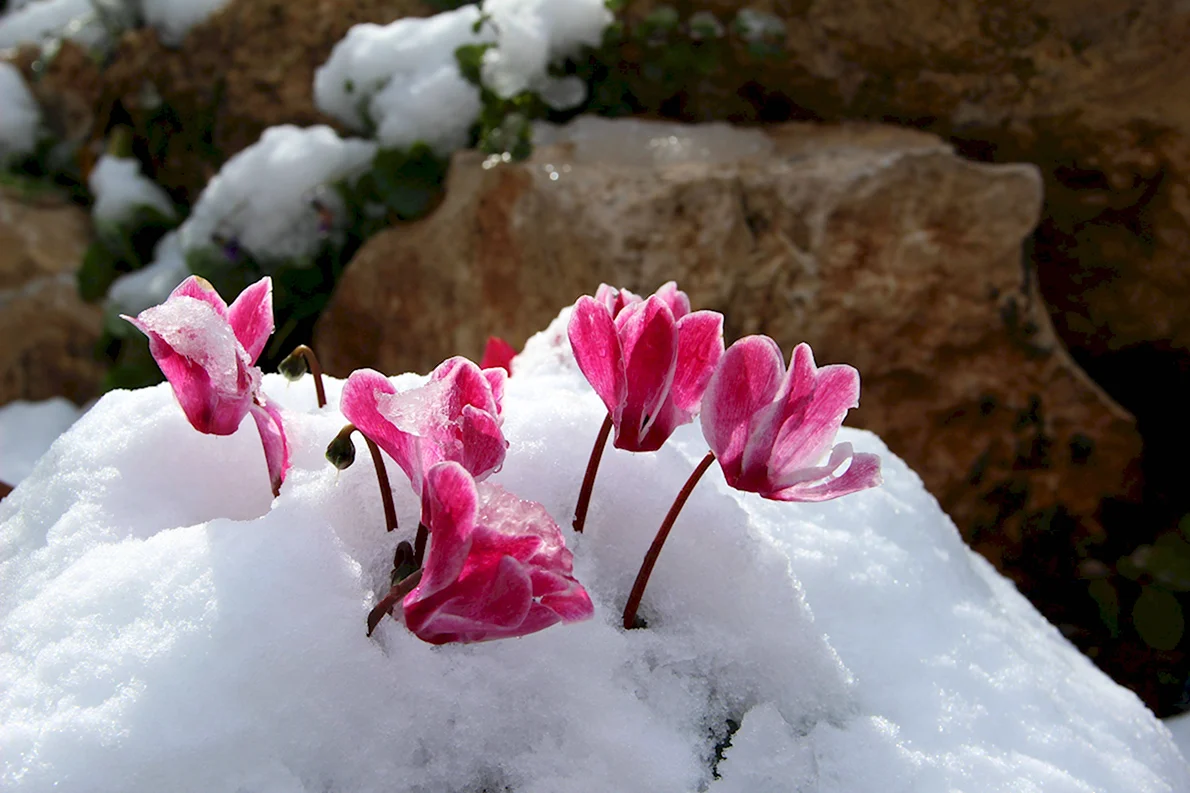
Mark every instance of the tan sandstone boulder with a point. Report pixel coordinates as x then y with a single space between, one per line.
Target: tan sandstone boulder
49 333
877 245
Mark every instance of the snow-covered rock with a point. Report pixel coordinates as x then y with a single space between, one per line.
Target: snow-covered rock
166 625
120 188
262 197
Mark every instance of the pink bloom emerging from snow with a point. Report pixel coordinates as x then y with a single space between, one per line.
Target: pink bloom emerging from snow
497 354
649 360
497 566
207 351
770 428
454 417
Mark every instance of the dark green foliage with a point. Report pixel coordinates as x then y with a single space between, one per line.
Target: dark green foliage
505 125
404 182
121 249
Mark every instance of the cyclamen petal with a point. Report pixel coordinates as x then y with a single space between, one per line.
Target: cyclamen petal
494 572
769 428
251 317
497 354
649 339
272 437
592 333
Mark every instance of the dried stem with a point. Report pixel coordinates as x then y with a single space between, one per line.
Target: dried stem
394 596
646 567
584 493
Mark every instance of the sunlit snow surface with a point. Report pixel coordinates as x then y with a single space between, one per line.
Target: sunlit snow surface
165 625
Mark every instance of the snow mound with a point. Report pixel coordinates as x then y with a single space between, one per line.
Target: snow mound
402 82
262 197
120 188
21 119
166 625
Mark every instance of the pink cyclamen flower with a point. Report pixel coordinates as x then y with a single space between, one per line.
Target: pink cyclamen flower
497 354
648 360
208 350
770 428
497 566
453 417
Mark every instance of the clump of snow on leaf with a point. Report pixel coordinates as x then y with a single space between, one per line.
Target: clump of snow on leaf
92 22
165 625
174 18
133 292
261 197
402 80
120 188
20 120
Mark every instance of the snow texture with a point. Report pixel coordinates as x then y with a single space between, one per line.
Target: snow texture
626 141
120 188
20 120
166 625
262 197
134 292
1179 726
26 430
401 81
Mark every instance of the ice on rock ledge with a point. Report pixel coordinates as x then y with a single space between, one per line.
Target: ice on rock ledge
166 625
594 140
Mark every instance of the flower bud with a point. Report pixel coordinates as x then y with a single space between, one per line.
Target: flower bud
294 367
341 451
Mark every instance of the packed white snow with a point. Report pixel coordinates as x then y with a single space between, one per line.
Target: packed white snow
1179 726
626 141
166 625
26 431
264 198
21 119
401 81
133 292
120 189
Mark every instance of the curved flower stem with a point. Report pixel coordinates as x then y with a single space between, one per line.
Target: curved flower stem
5 489
394 596
584 493
646 567
341 454
314 367
386 491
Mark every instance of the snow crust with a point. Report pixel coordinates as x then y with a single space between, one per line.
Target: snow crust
120 189
26 431
21 118
166 625
624 141
262 196
401 81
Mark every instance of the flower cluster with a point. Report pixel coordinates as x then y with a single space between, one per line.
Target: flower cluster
485 564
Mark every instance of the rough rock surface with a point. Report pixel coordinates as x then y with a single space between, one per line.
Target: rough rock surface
249 67
877 245
49 332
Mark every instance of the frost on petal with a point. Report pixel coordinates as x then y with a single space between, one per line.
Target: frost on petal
592 333
649 340
200 288
272 437
365 393
483 443
205 364
745 382
251 317
496 377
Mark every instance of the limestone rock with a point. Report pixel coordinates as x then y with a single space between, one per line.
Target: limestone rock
877 245
49 332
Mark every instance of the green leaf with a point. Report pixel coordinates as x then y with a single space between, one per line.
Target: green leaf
470 60
99 268
1108 601
1157 616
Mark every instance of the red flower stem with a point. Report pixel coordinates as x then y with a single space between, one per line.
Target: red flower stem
394 596
316 370
646 567
5 489
584 493
419 543
386 491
